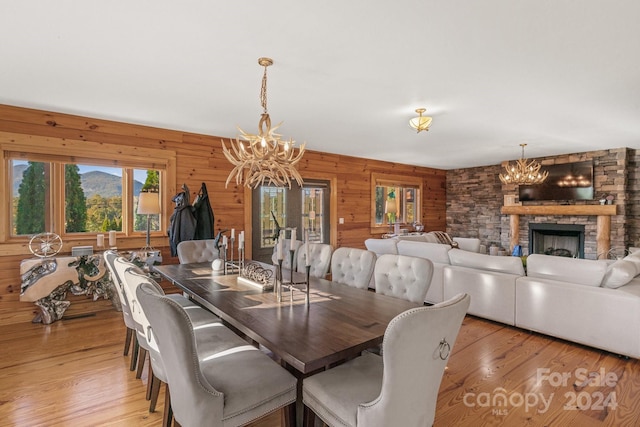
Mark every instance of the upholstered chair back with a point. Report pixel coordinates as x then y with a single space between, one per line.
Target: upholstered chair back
286 254
110 258
399 388
197 251
382 246
416 348
133 277
319 259
220 381
175 335
403 276
352 267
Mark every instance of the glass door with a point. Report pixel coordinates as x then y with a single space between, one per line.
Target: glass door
306 208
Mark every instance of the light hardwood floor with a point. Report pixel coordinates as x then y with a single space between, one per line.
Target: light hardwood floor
73 373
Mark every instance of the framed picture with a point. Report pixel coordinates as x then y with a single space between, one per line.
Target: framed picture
410 194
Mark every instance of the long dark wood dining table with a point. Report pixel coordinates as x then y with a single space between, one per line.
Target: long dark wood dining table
338 324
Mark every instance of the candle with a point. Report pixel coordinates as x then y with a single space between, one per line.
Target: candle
100 240
112 238
293 238
224 241
307 249
233 234
279 247
241 240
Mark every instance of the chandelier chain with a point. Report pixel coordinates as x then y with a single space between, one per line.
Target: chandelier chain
263 91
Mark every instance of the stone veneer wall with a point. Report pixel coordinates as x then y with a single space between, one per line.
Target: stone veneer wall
633 200
475 196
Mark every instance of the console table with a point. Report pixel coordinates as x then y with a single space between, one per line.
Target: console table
46 281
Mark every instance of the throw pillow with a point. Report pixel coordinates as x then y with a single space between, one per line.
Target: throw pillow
619 274
635 259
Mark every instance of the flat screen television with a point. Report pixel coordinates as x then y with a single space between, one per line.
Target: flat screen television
567 181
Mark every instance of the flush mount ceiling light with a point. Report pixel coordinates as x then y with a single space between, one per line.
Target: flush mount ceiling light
266 158
421 122
524 172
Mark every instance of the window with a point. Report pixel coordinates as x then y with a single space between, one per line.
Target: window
78 195
395 199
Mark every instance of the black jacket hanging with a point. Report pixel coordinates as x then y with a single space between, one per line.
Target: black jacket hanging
183 222
204 215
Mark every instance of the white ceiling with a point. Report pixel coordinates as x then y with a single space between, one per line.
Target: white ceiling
562 76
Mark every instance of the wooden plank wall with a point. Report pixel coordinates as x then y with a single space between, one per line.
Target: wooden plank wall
200 159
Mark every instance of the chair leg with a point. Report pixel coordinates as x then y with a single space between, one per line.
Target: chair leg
155 391
134 355
289 414
141 358
309 417
127 341
150 378
167 415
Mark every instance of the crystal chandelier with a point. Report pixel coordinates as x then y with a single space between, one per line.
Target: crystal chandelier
523 172
266 158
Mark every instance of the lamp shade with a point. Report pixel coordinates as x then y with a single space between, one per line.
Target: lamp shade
390 206
148 203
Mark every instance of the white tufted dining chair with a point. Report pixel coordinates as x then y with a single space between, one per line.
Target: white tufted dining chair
352 267
131 341
197 251
399 388
133 277
320 259
403 276
211 384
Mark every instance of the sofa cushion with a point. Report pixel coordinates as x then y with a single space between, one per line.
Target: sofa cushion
573 270
502 264
468 243
619 274
634 257
435 252
382 246
414 237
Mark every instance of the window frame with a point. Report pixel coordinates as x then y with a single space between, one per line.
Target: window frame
62 150
399 181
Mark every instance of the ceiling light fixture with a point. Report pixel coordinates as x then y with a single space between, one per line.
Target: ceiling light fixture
266 159
524 172
421 122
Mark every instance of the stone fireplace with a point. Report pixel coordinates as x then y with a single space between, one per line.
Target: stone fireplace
557 239
602 213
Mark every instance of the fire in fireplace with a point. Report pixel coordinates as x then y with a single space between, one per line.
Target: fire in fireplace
556 239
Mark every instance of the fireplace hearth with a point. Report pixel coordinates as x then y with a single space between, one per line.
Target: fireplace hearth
556 239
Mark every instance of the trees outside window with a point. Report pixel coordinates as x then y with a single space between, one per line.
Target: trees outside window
93 196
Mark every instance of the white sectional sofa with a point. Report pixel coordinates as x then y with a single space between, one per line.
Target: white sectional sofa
595 303
589 302
489 280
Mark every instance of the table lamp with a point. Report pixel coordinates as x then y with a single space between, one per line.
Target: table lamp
148 204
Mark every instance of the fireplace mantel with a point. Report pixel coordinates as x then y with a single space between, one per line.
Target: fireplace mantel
559 210
603 213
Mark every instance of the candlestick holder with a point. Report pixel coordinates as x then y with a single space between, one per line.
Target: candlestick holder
291 283
278 285
230 266
308 271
